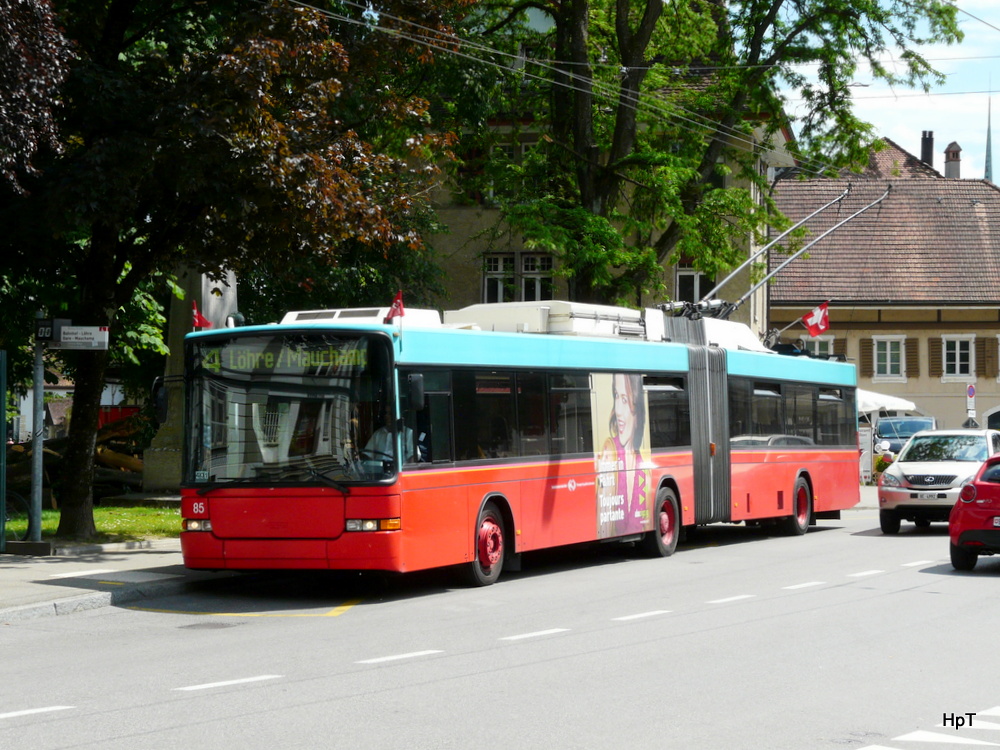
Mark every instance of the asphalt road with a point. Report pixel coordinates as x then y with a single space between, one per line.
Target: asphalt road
842 638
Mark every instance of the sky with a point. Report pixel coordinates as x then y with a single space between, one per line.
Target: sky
955 111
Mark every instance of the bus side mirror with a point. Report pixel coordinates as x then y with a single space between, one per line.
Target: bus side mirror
416 383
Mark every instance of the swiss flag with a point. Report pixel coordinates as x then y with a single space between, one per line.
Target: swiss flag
199 320
818 320
396 309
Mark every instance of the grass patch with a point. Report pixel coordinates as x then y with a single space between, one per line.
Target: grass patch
125 524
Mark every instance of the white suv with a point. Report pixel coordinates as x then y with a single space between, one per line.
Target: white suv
923 482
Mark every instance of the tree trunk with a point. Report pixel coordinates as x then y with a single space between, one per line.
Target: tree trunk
98 275
74 486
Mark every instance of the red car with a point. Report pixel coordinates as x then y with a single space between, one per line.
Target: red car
974 522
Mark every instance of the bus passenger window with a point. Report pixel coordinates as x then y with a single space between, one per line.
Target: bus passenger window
669 412
532 432
570 414
431 426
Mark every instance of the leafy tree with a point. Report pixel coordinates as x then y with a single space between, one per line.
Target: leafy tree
210 135
647 104
34 57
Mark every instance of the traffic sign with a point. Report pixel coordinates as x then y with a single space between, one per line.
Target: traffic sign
82 337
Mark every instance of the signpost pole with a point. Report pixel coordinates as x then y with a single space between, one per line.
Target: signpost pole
37 439
3 456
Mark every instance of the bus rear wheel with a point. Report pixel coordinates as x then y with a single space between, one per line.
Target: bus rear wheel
490 547
662 540
797 524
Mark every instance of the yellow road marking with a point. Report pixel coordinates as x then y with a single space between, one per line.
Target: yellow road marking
338 611
335 612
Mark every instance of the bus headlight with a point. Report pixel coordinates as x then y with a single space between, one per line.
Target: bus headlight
197 524
372 524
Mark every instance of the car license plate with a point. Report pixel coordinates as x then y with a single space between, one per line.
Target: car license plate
927 496
996 520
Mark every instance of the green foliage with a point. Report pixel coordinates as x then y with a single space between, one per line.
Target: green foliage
213 136
34 58
644 114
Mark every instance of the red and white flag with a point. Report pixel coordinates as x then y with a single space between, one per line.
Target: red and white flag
396 309
199 320
818 320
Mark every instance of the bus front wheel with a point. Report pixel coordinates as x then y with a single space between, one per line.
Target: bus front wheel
490 547
662 540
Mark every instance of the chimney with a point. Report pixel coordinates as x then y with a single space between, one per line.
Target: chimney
927 147
953 161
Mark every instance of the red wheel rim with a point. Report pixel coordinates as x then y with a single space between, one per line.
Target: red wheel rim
490 543
802 506
667 522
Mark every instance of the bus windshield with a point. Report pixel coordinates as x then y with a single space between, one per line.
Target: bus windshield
289 408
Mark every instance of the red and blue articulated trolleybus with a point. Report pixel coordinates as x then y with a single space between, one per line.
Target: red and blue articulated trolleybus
338 440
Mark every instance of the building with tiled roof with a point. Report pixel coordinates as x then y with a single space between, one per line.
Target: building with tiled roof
913 283
893 162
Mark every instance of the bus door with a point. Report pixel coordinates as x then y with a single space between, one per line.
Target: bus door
710 434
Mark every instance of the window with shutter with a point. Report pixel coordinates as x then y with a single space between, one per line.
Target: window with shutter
889 355
958 357
934 367
987 364
865 358
912 358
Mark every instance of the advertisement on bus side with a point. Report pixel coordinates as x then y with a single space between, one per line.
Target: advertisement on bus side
624 480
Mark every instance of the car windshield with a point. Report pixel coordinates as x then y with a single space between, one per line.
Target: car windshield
945 448
902 428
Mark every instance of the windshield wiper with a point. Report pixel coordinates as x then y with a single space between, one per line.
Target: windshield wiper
221 485
339 486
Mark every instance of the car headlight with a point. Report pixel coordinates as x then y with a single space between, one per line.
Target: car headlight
966 480
889 480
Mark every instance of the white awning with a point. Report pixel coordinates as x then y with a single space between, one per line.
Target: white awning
870 402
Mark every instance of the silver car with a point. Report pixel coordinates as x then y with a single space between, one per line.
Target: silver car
923 482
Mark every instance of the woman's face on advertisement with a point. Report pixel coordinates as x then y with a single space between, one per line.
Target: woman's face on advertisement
624 415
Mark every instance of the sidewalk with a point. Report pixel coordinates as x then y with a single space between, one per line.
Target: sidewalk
82 577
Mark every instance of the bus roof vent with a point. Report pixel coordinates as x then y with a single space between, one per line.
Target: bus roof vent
552 316
412 317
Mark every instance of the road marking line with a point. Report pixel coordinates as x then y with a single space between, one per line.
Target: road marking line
804 585
978 724
995 711
536 634
731 599
865 573
30 711
79 573
918 562
335 612
338 611
925 736
654 613
227 683
411 655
